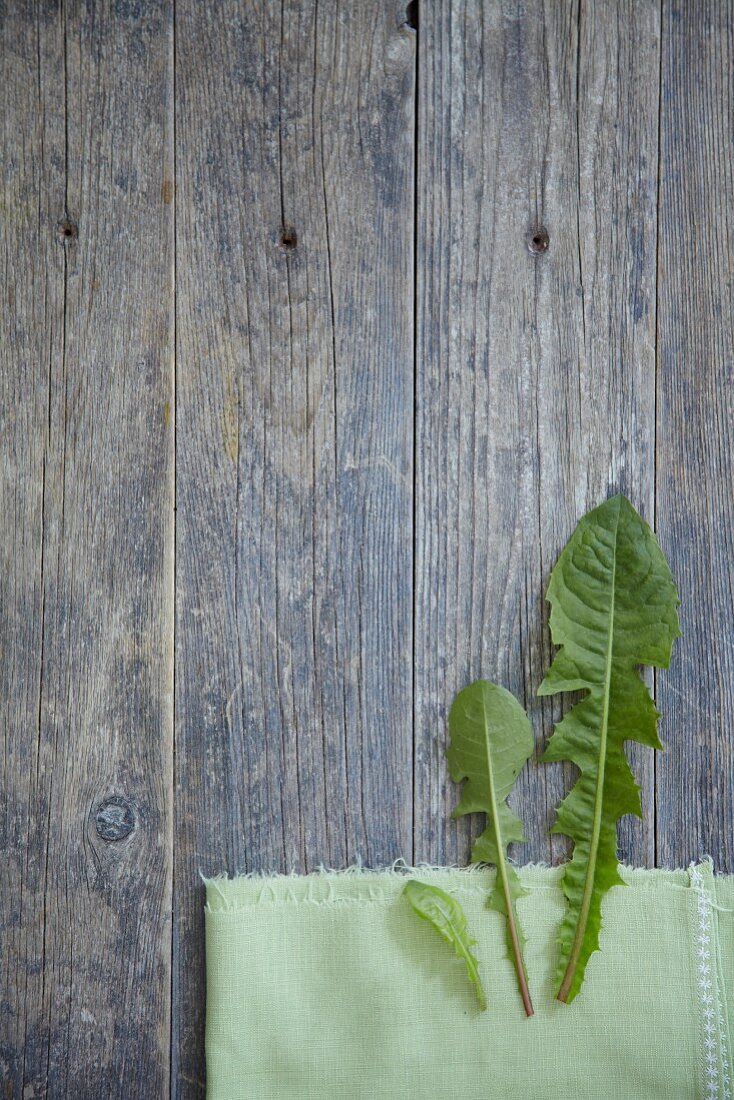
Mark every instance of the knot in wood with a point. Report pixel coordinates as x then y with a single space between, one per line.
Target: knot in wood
115 818
538 240
411 16
287 239
67 231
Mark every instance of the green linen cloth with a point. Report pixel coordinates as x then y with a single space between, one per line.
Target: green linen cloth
328 985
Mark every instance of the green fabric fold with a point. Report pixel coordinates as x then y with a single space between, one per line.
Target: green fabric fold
327 985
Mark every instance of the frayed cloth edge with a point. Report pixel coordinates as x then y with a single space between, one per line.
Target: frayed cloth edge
357 885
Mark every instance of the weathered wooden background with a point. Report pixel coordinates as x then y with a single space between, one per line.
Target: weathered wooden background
321 329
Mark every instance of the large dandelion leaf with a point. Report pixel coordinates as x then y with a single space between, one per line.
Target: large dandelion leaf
613 608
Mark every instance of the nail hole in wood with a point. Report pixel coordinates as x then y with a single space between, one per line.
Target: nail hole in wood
411 15
538 240
287 239
67 231
115 818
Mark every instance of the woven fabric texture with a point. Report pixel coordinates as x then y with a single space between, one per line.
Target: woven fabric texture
328 985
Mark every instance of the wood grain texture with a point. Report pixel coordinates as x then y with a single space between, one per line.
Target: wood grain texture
86 543
294 451
389 413
695 455
535 371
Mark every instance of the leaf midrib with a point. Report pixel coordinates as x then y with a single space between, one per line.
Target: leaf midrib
495 813
587 895
502 868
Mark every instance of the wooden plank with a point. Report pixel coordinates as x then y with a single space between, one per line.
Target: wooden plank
294 451
695 458
536 370
86 578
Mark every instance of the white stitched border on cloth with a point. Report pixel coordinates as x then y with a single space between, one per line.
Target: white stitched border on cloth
718 1081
